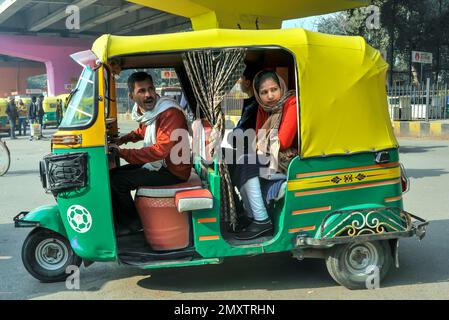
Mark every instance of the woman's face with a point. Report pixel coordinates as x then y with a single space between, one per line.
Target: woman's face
269 92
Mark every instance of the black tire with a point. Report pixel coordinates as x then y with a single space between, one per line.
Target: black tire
351 265
39 264
5 158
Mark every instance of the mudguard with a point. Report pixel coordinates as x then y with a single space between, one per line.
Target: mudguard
46 216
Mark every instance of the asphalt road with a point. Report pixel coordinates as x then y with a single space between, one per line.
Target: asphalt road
423 274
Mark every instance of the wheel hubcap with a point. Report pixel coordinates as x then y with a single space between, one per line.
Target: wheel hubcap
52 254
360 256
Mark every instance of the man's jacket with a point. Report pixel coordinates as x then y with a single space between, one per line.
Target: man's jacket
11 111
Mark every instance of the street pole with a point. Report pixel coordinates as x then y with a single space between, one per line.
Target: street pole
427 98
421 72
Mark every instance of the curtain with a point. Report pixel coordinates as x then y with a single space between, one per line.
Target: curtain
212 74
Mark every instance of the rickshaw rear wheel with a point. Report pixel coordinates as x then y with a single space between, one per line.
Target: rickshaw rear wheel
47 254
360 265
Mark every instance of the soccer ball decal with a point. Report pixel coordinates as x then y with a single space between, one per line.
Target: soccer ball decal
79 218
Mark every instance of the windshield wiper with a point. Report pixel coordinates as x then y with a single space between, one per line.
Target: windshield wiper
71 95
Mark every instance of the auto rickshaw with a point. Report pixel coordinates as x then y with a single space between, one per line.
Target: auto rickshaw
4 124
64 98
49 105
342 200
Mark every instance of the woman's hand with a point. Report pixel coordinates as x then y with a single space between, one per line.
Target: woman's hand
290 152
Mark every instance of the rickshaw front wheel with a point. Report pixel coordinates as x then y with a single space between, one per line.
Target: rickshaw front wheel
47 254
360 265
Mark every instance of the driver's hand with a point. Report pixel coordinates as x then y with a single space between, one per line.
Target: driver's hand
114 148
116 141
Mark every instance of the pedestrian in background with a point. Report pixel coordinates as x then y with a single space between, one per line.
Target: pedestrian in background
32 111
23 114
58 111
11 112
40 114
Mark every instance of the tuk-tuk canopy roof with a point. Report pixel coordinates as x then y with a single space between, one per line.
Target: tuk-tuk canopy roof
342 88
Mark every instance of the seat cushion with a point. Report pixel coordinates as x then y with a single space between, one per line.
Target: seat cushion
194 200
194 182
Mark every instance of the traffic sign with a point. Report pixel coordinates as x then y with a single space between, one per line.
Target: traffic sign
168 75
33 91
422 57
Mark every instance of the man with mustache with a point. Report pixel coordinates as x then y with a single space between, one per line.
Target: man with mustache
151 165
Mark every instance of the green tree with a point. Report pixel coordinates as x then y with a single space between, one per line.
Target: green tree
405 26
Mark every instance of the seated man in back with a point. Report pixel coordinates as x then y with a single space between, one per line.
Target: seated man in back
151 165
249 111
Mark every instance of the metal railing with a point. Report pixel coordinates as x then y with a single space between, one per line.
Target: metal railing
232 106
418 102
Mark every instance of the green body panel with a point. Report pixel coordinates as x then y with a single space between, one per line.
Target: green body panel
288 225
48 217
98 243
363 220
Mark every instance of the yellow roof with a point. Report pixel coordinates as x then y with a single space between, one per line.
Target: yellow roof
341 79
233 14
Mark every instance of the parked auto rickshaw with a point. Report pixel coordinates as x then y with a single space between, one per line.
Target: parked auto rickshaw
342 200
4 124
64 98
49 105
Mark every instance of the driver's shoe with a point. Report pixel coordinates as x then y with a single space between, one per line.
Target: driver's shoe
256 229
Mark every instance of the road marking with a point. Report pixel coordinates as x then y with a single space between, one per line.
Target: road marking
5 257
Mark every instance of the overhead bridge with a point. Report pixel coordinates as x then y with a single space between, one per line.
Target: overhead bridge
48 31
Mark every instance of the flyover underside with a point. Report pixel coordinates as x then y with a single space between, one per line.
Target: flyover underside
53 52
15 75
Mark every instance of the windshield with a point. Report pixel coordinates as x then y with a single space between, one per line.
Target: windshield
80 110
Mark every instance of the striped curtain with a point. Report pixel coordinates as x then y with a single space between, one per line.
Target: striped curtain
212 74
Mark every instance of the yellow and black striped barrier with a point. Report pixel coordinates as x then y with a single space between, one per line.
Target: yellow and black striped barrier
435 128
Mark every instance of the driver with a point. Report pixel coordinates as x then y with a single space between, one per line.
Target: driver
152 164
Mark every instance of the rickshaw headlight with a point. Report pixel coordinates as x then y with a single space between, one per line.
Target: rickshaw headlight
64 172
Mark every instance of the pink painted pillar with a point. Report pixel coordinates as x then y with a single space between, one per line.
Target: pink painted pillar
54 52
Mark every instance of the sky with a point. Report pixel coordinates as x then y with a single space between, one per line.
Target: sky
306 23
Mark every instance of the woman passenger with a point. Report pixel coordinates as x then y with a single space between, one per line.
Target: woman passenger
277 136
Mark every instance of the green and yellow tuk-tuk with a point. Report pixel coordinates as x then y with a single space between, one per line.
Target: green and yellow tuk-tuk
64 98
4 124
49 105
342 200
